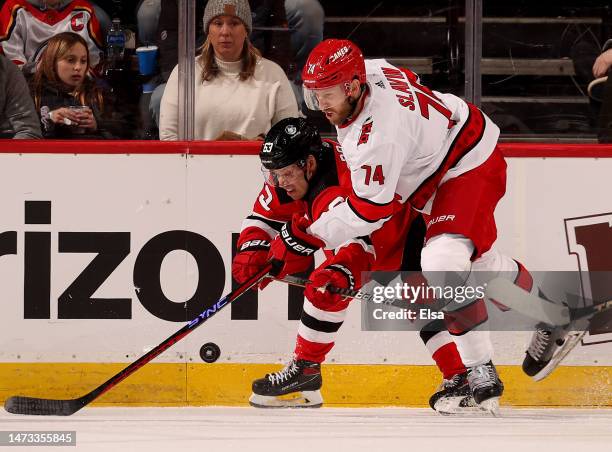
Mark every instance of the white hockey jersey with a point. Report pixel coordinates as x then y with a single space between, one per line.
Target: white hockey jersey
24 28
404 143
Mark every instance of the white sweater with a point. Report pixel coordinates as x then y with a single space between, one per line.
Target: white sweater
248 107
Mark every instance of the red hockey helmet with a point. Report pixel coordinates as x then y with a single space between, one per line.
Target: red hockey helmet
332 62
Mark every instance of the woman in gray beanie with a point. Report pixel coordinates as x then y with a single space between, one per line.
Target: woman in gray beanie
238 94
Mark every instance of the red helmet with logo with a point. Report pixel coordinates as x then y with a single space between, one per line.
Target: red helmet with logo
332 62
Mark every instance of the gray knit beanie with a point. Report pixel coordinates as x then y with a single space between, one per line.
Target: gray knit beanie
238 8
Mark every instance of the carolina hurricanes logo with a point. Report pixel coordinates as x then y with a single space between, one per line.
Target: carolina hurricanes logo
590 239
77 22
366 129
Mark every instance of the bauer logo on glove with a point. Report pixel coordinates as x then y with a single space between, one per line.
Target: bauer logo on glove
251 245
293 244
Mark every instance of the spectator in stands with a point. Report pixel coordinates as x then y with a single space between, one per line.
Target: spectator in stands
25 26
603 84
238 93
305 18
69 102
17 115
270 36
604 61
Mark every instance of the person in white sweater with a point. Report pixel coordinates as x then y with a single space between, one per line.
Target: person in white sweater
238 94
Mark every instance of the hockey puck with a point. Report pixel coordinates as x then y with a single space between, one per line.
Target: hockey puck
210 352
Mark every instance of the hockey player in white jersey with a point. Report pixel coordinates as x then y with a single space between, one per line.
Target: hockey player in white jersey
304 176
403 141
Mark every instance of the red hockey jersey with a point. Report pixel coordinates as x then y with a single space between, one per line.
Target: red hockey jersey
331 187
24 29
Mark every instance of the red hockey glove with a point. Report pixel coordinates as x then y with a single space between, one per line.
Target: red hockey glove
343 271
292 251
252 255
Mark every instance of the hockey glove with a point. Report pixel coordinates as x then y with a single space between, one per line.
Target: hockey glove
252 255
343 271
292 251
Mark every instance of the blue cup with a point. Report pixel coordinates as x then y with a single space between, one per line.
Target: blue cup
148 88
147 58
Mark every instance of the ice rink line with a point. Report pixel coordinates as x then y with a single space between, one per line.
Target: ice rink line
212 429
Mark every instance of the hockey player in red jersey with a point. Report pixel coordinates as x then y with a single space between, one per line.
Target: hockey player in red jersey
404 143
25 26
305 177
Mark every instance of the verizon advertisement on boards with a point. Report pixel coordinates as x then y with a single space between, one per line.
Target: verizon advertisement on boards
104 256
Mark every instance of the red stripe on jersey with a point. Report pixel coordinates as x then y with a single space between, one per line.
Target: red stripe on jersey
7 19
95 30
466 319
368 210
468 137
523 279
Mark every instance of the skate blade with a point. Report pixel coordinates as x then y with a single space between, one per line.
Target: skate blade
491 406
571 340
453 406
304 399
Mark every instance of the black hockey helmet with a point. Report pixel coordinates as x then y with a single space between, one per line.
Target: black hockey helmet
289 141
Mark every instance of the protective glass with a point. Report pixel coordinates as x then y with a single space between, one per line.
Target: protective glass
321 99
287 174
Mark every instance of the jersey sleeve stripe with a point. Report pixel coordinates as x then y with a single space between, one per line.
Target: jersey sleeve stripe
257 223
467 139
369 201
369 211
276 225
7 29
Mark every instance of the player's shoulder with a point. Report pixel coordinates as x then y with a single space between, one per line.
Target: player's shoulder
327 198
275 203
13 6
378 123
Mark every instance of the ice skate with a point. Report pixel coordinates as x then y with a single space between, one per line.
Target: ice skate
454 397
296 386
486 387
548 347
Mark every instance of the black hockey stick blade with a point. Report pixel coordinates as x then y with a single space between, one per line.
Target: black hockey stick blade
53 407
45 407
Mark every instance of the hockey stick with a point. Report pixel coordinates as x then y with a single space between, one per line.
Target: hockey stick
37 406
350 293
301 282
530 305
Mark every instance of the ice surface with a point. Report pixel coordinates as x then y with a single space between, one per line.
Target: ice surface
213 429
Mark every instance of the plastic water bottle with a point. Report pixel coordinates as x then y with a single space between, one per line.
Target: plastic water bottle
115 43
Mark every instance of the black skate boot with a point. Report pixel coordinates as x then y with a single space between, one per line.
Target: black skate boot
548 346
454 397
486 386
297 385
